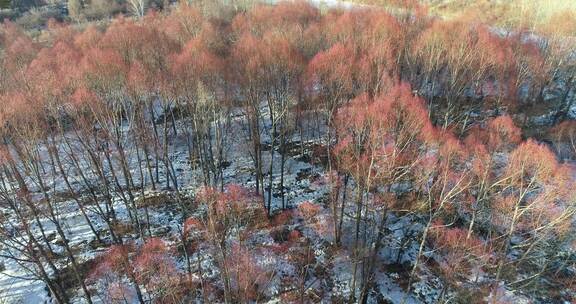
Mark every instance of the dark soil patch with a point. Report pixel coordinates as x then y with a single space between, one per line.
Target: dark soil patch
280 234
403 272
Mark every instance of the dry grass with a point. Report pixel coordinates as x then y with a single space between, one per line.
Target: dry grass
506 13
153 200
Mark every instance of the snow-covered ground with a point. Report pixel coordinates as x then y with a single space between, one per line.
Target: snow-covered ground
303 182
14 284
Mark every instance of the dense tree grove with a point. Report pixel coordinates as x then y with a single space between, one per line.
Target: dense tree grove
420 125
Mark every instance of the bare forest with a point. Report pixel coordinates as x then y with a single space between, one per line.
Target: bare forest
288 152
